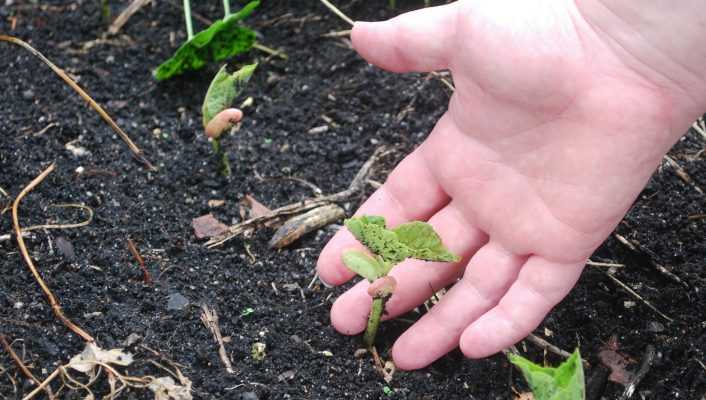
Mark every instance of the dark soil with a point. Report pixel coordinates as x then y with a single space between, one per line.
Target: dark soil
101 287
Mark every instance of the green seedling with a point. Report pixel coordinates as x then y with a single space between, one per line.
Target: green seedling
389 247
223 39
565 382
218 117
388 392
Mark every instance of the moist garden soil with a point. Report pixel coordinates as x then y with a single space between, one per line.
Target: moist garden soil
264 295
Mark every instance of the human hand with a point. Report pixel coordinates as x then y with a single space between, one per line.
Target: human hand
555 126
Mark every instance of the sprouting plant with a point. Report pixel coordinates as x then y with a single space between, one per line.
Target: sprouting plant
223 39
218 117
565 382
389 247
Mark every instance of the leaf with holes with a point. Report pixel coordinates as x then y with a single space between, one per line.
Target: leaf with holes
223 39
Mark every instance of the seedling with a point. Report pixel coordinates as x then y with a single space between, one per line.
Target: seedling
218 117
223 39
565 382
389 247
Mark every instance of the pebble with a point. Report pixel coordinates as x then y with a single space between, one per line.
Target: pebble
176 302
249 396
286 375
28 94
65 248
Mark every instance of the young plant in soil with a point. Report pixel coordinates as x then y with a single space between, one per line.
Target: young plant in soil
223 39
389 247
218 117
565 382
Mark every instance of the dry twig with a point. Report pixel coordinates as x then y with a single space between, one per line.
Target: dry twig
300 225
700 127
140 261
443 80
209 317
124 16
338 12
64 226
337 34
552 348
604 264
56 307
356 186
639 249
637 296
681 173
136 151
21 365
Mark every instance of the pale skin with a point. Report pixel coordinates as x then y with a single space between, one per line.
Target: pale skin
562 111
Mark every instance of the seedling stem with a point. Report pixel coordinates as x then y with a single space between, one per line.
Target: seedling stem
226 8
221 157
374 321
187 18
389 247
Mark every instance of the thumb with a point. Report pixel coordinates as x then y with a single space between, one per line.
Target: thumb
419 41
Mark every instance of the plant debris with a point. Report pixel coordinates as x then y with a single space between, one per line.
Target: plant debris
207 226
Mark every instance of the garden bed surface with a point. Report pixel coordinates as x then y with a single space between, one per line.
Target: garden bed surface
102 288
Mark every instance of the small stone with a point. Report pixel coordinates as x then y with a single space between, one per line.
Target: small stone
176 302
28 94
286 375
629 304
249 396
65 248
131 339
318 129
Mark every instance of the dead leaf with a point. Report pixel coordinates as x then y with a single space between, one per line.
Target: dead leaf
92 355
524 396
207 226
165 389
617 362
257 209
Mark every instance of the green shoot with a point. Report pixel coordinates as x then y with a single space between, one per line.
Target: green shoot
218 117
226 9
565 382
223 39
187 18
389 247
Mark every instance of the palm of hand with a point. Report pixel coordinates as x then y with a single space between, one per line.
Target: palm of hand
547 141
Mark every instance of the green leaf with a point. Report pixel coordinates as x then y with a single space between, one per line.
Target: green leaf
363 265
224 38
383 242
565 382
224 89
411 240
424 242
